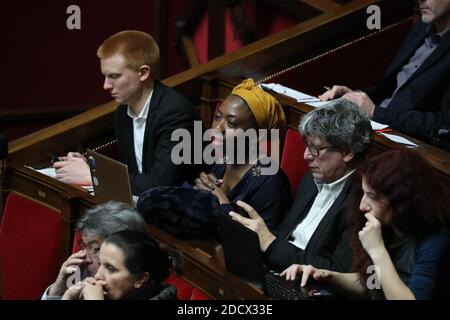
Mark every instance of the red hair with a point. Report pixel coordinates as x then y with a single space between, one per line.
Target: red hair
415 194
137 47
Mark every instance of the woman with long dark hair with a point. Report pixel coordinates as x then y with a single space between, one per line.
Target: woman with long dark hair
400 240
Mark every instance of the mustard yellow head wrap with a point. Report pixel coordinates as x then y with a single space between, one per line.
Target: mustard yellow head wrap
266 109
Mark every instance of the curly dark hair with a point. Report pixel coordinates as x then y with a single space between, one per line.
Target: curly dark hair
415 194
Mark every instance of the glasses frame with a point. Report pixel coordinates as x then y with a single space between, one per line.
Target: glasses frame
315 151
89 249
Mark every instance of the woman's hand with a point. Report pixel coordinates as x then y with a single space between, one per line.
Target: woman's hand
307 271
74 292
371 237
93 290
208 182
220 194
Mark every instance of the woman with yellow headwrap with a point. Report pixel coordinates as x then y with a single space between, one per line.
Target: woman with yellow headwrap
193 212
266 110
248 107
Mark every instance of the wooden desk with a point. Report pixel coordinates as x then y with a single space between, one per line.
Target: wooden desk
199 266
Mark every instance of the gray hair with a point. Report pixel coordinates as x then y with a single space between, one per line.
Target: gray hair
343 124
111 217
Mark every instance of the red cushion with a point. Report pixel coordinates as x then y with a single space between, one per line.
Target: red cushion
185 291
184 288
199 295
29 248
262 19
76 239
292 161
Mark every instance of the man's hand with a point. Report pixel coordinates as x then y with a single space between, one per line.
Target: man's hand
255 223
307 271
334 93
73 169
362 100
68 268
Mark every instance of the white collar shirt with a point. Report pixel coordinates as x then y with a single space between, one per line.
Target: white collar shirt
328 193
139 123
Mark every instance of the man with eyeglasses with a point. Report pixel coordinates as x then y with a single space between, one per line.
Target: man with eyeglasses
314 231
95 225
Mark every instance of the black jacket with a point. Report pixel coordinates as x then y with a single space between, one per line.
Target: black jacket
328 248
417 108
169 110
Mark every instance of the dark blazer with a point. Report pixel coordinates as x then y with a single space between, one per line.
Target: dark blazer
328 248
416 108
169 110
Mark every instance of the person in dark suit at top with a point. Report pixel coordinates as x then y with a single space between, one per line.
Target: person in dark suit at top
410 96
147 115
314 231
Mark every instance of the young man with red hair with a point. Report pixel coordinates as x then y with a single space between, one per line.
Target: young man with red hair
144 121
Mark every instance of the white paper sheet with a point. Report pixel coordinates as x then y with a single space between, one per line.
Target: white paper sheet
51 172
297 95
378 126
407 143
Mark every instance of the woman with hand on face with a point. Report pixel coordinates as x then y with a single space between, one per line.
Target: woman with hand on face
248 107
94 226
401 241
132 267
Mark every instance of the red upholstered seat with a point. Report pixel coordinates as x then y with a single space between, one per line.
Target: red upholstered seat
76 239
199 295
30 239
263 20
292 161
185 291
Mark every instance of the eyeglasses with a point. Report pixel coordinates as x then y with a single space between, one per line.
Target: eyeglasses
315 151
92 249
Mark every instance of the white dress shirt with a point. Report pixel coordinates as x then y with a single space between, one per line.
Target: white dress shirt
322 203
139 130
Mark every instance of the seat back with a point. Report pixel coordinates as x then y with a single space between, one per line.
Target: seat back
76 240
292 162
185 290
30 247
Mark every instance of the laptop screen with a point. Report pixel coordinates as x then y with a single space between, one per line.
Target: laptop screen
242 252
243 257
110 178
